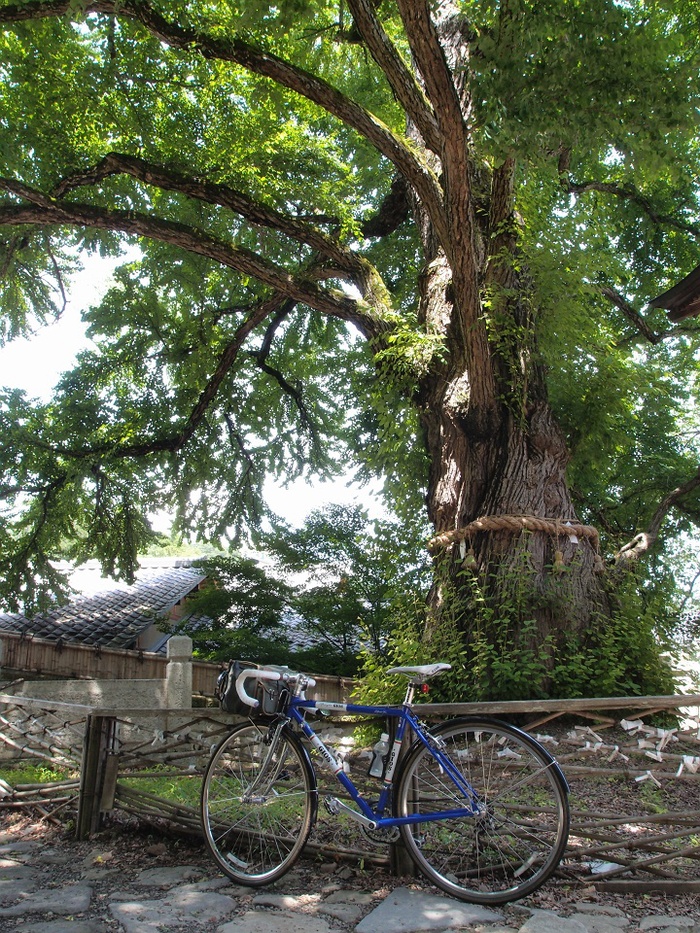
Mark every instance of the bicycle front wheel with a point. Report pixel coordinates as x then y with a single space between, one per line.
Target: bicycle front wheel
258 802
519 830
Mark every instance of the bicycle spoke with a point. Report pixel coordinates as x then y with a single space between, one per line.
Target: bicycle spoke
256 805
513 840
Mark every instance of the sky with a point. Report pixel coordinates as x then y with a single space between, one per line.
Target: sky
36 364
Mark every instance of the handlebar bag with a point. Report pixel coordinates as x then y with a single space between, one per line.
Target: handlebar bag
229 701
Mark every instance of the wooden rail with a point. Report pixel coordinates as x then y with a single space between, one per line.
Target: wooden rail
553 709
120 755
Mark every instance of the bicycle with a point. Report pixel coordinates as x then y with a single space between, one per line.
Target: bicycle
481 807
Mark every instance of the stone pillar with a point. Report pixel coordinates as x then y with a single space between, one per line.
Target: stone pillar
178 673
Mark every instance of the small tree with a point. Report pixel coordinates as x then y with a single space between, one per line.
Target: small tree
239 613
349 571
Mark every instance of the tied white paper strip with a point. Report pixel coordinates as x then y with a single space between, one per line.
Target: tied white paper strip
665 736
586 730
691 762
508 753
631 725
616 753
647 776
572 537
655 756
546 739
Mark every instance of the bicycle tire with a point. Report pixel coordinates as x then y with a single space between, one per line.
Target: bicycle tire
515 842
256 837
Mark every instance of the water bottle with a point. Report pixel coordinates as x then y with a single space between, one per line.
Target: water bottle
379 753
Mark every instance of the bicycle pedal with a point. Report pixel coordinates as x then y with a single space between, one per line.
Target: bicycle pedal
332 805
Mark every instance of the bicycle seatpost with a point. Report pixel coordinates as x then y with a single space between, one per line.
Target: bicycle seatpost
410 692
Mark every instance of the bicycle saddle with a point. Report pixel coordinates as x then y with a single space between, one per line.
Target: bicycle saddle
423 671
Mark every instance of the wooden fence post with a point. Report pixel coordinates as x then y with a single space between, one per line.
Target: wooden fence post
99 745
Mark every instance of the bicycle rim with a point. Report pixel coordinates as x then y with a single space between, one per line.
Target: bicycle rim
514 842
257 807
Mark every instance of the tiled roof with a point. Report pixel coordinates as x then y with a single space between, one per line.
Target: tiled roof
115 617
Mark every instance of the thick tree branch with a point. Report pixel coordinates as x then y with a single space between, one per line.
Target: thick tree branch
267 65
44 211
393 211
402 81
631 314
641 543
432 63
629 193
222 195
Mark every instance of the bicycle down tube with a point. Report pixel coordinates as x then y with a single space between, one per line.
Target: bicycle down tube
405 718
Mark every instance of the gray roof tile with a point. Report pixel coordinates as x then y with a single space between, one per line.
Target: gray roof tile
113 618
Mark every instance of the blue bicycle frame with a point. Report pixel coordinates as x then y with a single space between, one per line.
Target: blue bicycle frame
405 716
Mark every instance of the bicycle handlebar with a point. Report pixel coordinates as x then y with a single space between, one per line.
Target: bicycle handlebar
251 673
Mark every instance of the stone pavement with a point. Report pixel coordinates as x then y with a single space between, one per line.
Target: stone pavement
65 887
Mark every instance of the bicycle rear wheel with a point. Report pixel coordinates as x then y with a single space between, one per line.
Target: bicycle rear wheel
517 837
258 804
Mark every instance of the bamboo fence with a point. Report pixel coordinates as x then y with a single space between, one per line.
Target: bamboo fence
148 764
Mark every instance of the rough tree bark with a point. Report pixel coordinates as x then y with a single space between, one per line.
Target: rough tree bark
494 445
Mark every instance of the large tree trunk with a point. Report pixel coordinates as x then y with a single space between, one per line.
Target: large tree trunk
496 452
525 585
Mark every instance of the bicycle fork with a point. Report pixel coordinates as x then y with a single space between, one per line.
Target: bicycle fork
269 771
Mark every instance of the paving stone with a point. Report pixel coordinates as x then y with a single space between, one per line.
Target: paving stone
546 921
585 908
348 913
261 921
280 901
658 922
16 845
16 871
179 909
69 899
405 910
50 857
673 926
8 863
66 926
601 923
11 889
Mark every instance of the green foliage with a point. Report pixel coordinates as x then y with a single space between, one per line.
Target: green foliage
498 653
239 614
351 570
323 590
27 773
417 638
180 788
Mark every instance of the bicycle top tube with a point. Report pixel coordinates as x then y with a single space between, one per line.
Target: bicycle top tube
329 706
